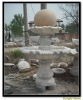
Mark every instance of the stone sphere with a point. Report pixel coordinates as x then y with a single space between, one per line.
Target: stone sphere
45 18
23 66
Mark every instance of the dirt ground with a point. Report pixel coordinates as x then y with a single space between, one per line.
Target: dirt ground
66 84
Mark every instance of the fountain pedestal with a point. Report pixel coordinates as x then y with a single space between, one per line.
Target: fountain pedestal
44 40
45 76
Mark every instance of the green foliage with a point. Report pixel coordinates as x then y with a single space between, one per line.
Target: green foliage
16 25
63 26
17 54
6 27
72 28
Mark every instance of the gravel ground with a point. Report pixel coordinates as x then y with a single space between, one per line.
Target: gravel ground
66 84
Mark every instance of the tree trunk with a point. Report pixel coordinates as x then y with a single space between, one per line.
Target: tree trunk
26 25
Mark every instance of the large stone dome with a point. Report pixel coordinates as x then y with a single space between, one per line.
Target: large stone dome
45 18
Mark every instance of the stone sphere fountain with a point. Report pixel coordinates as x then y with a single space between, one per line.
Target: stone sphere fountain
45 21
45 18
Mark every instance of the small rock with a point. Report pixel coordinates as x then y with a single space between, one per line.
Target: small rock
22 59
54 65
7 90
30 44
63 65
75 41
34 65
6 58
10 76
34 61
35 76
27 77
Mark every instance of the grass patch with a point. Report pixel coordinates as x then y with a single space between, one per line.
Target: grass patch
17 54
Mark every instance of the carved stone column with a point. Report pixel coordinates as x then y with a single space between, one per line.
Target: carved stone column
45 76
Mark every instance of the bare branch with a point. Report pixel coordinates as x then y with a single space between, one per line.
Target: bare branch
71 11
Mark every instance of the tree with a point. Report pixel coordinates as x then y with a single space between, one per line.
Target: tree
6 27
63 26
71 12
72 28
16 25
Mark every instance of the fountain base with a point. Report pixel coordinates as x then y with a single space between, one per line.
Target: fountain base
43 84
45 78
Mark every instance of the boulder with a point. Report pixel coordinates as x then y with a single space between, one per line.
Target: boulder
23 66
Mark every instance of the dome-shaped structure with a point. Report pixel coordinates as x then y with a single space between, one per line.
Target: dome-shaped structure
45 18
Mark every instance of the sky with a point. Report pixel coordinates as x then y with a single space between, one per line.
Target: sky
10 9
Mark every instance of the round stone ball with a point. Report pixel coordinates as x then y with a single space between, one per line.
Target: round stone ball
45 18
23 66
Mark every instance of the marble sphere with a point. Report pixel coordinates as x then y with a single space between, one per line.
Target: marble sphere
45 18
